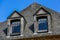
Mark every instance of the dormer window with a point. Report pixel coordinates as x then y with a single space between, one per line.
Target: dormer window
16 27
16 24
42 24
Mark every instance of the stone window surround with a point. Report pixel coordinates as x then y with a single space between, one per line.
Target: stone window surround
36 23
10 28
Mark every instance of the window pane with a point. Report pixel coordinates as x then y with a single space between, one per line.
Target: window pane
16 27
42 24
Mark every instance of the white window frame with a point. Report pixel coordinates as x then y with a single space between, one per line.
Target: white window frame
36 24
10 28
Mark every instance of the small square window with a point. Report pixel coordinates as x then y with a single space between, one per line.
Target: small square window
42 24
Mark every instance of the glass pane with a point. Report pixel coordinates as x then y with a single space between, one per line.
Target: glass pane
42 24
16 27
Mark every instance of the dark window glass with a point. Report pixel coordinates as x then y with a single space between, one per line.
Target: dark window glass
42 23
16 27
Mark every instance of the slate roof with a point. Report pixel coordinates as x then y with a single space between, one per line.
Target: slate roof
30 10
28 13
34 7
3 25
13 13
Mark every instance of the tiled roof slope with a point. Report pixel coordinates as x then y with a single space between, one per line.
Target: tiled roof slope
33 8
28 15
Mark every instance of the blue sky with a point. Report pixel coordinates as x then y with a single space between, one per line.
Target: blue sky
8 6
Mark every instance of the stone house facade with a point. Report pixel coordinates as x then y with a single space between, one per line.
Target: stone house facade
34 21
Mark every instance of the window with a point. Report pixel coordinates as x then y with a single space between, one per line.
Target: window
42 24
16 25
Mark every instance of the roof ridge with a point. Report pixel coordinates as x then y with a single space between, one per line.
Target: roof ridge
35 3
